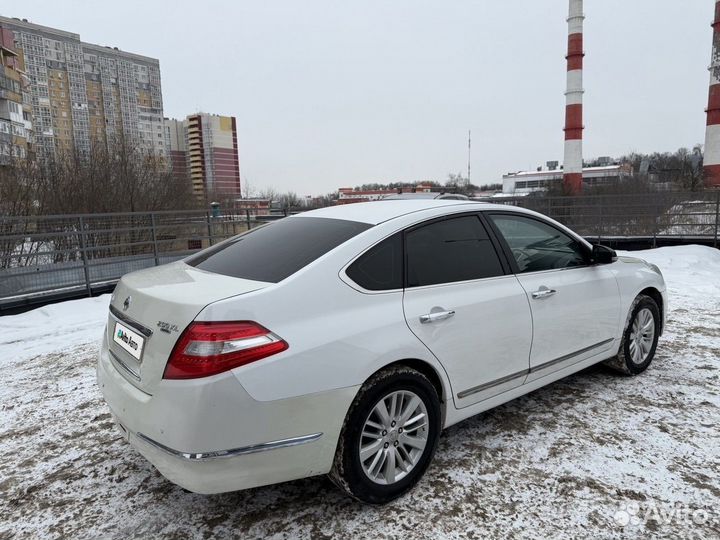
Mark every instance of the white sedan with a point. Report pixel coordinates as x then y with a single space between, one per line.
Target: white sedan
342 341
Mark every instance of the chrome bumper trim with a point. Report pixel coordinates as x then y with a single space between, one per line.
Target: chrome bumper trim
219 454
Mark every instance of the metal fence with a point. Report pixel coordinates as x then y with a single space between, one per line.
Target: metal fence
683 217
42 257
48 257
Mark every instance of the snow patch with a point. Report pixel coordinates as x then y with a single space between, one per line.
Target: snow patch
53 328
561 462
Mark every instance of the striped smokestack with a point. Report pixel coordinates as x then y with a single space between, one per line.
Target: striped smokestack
572 177
712 132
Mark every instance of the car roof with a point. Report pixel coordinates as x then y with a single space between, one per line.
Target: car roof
379 211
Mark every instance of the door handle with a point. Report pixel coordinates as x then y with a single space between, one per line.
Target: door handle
543 292
436 316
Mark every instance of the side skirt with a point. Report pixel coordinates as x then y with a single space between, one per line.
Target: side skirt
533 369
458 415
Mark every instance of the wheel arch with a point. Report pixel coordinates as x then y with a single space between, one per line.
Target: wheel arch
430 371
656 295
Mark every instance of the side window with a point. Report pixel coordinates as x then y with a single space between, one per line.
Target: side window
379 268
537 246
451 250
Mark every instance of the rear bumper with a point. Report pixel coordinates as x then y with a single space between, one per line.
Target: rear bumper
232 452
218 475
209 436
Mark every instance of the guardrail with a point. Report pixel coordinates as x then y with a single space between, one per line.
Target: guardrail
44 258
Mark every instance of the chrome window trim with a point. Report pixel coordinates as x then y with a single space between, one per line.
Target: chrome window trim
466 282
549 270
244 450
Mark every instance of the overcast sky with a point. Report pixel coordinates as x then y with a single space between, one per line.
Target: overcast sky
330 94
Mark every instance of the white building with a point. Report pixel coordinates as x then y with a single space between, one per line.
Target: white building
523 182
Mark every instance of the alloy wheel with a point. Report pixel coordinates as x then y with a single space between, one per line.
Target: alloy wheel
642 336
394 437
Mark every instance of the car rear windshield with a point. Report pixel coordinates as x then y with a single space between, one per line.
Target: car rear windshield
275 251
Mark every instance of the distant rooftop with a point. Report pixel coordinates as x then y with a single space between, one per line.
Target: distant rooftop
24 24
556 172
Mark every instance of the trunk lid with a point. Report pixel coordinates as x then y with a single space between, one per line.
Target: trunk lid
151 308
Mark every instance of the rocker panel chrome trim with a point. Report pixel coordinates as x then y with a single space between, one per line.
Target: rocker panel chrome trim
534 369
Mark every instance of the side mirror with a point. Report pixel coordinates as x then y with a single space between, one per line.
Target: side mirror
603 255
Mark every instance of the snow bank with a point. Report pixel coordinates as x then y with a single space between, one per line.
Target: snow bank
690 272
53 328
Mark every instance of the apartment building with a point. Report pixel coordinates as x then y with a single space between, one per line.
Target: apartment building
15 123
81 94
207 143
176 144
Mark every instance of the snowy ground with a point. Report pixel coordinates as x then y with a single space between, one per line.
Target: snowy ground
575 459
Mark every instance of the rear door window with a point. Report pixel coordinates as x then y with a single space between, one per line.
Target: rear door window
274 252
450 250
380 268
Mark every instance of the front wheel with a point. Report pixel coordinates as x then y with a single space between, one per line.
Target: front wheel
389 437
640 338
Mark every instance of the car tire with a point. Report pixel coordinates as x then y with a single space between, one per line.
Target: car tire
640 337
368 475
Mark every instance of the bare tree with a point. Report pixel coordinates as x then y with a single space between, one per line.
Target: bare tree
289 200
457 183
119 179
681 169
271 194
247 191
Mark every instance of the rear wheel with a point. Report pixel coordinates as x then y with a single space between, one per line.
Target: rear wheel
389 437
640 338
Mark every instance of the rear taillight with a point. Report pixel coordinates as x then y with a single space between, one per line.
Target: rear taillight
208 348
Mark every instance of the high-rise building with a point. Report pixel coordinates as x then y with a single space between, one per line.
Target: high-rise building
208 144
176 144
82 94
15 123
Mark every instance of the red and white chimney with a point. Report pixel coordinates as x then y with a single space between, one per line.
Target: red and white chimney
712 132
573 165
